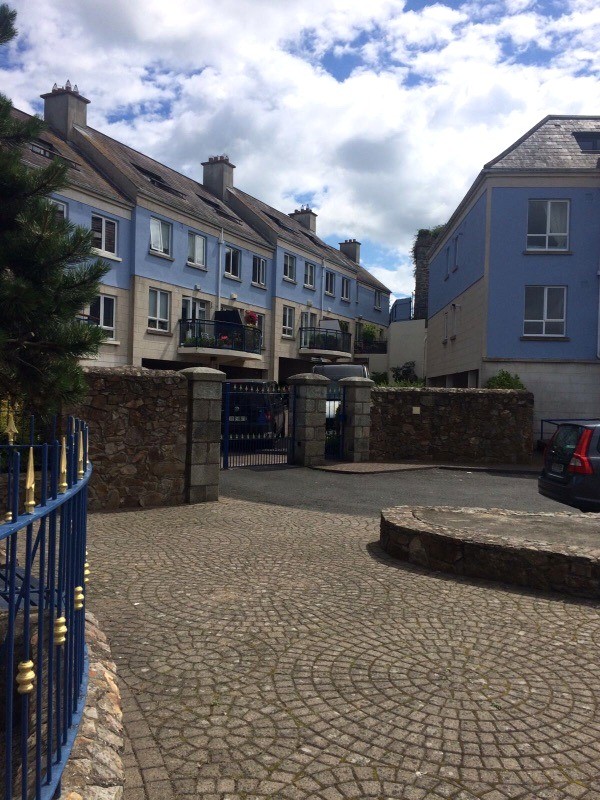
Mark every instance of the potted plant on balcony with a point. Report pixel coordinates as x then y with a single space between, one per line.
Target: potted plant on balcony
251 318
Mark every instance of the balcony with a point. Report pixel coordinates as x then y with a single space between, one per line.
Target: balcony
325 342
370 348
226 340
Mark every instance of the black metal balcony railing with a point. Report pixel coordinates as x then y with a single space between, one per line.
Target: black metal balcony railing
324 339
220 335
378 346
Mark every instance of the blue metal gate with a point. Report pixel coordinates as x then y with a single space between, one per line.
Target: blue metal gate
256 429
335 416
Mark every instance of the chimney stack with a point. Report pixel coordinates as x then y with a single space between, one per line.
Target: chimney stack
306 217
351 249
217 175
63 108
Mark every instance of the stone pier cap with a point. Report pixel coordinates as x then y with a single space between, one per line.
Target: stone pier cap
540 550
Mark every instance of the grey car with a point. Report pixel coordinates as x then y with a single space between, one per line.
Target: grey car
571 472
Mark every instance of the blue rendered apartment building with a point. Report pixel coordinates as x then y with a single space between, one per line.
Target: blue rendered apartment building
514 278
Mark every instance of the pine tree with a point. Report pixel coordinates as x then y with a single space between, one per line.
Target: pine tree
48 273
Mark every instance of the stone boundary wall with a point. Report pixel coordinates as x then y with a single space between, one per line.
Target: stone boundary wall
95 770
477 553
468 425
138 423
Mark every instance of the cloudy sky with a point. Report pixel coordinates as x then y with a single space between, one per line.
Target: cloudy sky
379 113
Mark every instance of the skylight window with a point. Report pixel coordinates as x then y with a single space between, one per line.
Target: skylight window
157 180
43 148
218 209
588 141
278 222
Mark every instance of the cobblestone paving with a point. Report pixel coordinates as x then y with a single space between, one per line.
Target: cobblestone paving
268 652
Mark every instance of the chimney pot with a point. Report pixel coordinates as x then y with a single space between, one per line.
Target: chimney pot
64 107
306 217
217 175
351 249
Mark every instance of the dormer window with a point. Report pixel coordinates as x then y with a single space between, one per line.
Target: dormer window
42 149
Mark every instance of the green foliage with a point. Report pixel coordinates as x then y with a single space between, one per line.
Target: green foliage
369 333
406 375
47 273
504 380
380 378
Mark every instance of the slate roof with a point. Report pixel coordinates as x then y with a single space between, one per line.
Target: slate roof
291 231
550 145
168 187
81 175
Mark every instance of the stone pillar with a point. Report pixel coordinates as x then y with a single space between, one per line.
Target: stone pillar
357 423
308 397
203 457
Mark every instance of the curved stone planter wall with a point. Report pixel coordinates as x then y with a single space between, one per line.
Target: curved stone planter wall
510 546
94 770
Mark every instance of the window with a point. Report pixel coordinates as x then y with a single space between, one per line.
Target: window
589 142
445 336
447 262
308 319
259 270
289 267
158 310
60 209
545 311
288 321
456 241
329 283
160 236
378 300
260 324
104 234
309 275
548 225
192 309
345 288
102 312
196 250
233 262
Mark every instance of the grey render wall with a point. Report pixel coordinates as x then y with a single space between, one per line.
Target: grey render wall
454 425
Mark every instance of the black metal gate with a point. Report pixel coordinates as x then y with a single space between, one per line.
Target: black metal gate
256 427
335 415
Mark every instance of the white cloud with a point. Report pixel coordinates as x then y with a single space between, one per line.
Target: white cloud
383 151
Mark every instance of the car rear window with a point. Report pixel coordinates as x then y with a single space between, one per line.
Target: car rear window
565 440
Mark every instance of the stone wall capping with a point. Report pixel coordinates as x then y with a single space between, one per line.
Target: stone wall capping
517 547
203 374
308 379
356 382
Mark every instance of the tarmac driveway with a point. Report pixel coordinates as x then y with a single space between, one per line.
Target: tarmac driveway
271 651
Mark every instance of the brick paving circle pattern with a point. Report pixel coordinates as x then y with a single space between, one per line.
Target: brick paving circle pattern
269 652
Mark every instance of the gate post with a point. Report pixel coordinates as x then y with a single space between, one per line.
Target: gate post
308 400
357 425
203 456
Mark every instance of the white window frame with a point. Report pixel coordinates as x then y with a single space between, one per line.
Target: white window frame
377 300
157 322
233 262
259 271
310 270
104 221
106 300
329 283
198 260
289 267
60 206
545 319
545 247
346 289
260 324
194 305
159 230
287 327
456 246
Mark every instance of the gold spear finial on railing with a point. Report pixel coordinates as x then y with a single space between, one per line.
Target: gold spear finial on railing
30 485
78 599
86 572
80 467
25 677
63 485
60 631
11 428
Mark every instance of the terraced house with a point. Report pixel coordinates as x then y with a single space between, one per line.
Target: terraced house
514 279
204 273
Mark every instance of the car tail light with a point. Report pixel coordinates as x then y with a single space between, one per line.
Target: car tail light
580 463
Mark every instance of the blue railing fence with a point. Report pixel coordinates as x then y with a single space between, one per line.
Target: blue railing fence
43 575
